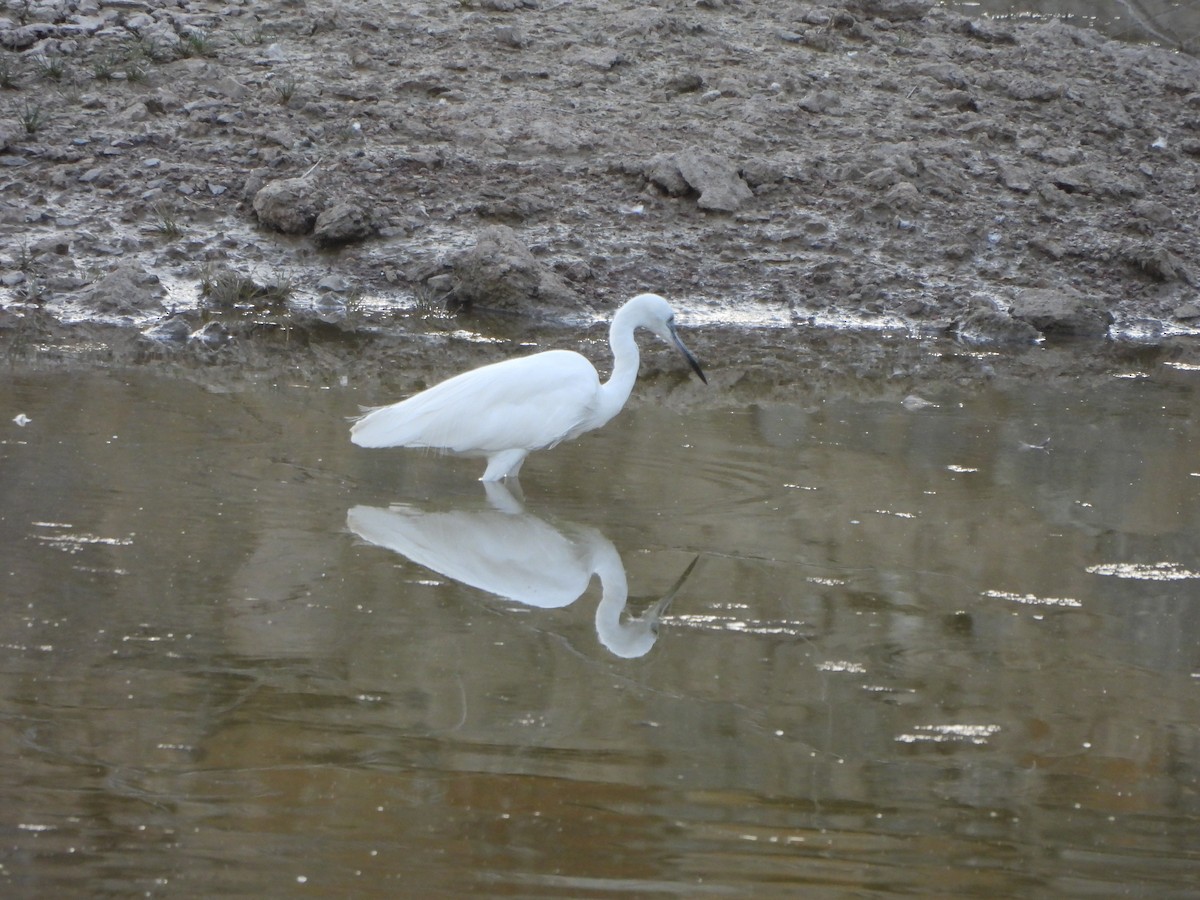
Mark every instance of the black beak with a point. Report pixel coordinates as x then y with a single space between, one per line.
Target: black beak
687 354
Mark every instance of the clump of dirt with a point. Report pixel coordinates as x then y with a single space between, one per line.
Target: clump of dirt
873 188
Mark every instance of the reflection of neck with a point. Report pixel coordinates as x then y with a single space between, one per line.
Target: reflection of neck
624 639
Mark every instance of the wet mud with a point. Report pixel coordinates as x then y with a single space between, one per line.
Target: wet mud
876 190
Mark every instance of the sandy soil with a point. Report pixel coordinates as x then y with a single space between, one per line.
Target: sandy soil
391 191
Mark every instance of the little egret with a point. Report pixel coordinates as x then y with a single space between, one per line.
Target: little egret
504 410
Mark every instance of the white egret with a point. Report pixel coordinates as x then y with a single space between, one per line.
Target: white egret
505 410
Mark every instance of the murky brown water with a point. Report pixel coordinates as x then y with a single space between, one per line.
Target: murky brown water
948 649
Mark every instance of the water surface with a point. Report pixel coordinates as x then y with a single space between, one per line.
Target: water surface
1171 23
840 647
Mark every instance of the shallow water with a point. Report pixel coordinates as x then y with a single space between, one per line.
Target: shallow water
947 649
1171 23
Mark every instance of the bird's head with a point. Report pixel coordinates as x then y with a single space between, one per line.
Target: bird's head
654 314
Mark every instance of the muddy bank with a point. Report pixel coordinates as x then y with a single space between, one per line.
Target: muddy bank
876 189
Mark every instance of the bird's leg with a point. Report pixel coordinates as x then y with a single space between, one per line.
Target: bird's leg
505 464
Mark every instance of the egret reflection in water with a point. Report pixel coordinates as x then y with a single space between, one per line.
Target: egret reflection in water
517 556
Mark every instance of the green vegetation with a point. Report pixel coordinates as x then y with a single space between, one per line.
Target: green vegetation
227 289
167 223
50 67
31 118
196 43
10 69
285 88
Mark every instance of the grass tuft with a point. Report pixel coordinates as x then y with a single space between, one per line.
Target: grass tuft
196 43
50 67
167 223
31 118
227 289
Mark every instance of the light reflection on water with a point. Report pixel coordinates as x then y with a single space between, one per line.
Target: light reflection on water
924 644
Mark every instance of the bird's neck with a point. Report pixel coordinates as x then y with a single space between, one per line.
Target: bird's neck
615 391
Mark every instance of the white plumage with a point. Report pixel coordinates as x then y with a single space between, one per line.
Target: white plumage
505 410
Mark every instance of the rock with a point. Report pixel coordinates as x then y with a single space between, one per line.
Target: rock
1015 179
159 36
987 31
1117 116
1093 179
172 330
336 284
134 113
290 205
1159 263
757 172
342 223
903 196
212 336
1061 311
663 170
1026 87
891 10
602 58
125 291
512 36
820 102
255 181
1190 310
685 83
1061 156
714 178
25 36
230 87
960 100
1153 211
945 73
987 325
500 272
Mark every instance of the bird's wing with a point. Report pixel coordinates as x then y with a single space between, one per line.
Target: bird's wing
531 402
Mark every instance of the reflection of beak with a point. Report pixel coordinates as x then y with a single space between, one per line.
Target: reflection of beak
687 354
